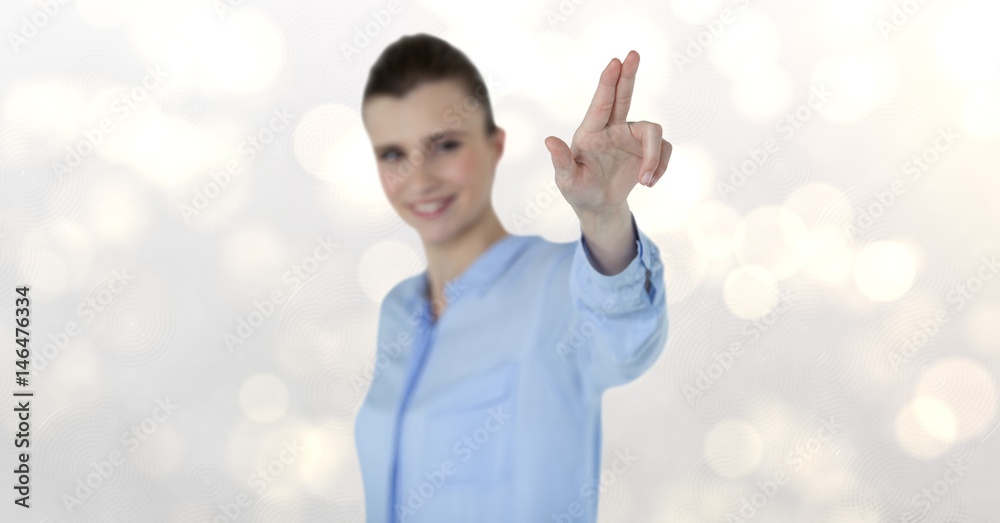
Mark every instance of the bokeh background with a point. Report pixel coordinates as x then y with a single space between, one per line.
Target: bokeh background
188 190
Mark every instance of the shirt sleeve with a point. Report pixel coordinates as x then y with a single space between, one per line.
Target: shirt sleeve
626 312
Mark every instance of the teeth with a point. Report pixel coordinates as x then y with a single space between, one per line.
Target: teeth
428 208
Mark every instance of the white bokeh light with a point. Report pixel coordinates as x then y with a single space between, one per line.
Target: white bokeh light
750 45
967 43
935 417
762 96
117 212
824 209
253 255
773 237
47 102
884 270
858 83
695 11
331 144
242 54
980 113
680 190
982 328
750 291
263 398
917 425
105 14
966 389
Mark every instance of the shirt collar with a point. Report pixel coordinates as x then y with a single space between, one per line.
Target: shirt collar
477 277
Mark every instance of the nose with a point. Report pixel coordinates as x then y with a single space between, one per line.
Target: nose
420 177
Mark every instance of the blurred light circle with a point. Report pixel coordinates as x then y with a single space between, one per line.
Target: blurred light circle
966 389
967 43
762 96
105 14
746 46
884 270
253 255
911 427
981 113
263 398
773 237
750 291
982 328
935 417
856 83
320 136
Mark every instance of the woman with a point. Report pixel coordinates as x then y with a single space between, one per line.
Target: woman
492 362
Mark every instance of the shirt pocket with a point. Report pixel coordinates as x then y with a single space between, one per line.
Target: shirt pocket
473 428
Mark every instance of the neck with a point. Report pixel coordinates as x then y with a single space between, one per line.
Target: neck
446 261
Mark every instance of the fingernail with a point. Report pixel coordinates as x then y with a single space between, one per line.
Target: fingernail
647 177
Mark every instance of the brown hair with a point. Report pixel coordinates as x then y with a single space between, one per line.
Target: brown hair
416 59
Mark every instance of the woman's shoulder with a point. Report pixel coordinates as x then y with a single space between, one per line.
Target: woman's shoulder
543 256
543 247
402 295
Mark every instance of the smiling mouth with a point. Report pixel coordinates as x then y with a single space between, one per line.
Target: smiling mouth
432 209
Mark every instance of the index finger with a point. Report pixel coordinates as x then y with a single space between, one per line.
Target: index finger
623 93
604 99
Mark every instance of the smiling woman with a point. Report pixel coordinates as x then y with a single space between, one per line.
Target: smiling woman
491 410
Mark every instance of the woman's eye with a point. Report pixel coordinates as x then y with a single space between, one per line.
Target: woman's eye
390 156
447 146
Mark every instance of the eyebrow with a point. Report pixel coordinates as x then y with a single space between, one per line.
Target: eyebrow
433 137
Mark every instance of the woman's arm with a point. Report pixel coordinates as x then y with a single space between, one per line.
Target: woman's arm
616 280
626 312
610 239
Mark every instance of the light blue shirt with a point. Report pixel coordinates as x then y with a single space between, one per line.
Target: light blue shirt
493 412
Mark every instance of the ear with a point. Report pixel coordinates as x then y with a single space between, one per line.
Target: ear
497 142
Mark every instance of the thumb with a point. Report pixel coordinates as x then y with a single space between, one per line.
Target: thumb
562 156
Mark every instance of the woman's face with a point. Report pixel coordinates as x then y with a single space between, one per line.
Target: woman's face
435 161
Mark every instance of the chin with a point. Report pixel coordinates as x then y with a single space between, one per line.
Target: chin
436 235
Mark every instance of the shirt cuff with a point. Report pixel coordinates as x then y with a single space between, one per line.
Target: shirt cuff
625 291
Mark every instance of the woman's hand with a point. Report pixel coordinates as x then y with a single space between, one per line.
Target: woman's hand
609 155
